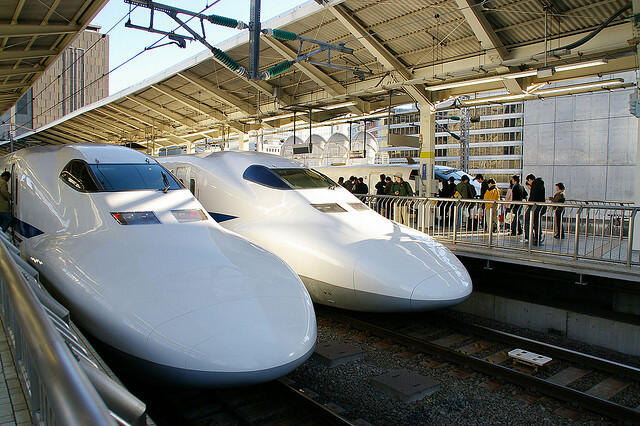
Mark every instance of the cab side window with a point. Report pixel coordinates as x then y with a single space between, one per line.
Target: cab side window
76 174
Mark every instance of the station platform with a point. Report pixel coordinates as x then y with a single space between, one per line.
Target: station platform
596 255
13 404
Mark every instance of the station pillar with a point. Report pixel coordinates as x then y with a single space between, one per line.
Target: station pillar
242 145
427 150
636 199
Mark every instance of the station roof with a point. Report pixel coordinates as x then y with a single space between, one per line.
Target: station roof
420 51
32 34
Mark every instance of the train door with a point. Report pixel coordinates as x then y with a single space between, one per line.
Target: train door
193 183
13 189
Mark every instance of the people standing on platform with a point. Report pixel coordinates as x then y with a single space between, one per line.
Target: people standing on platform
491 194
558 212
361 187
527 213
5 201
537 195
380 185
400 188
452 187
341 181
387 185
465 191
518 193
484 185
348 185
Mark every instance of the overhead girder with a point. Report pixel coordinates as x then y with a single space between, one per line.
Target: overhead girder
50 139
7 55
104 128
72 136
8 72
124 128
148 121
79 129
483 31
381 53
160 110
26 30
332 87
13 86
107 110
220 95
190 102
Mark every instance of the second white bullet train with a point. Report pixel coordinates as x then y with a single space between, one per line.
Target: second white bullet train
347 255
144 269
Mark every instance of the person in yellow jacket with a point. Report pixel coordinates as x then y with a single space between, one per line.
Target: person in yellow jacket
5 201
493 194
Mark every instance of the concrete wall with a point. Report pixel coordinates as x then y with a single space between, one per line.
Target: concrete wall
586 141
618 336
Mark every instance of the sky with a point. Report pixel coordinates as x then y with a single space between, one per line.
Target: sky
124 43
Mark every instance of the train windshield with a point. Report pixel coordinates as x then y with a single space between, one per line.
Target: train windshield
304 178
133 177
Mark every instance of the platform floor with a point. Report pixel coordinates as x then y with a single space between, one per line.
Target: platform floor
13 403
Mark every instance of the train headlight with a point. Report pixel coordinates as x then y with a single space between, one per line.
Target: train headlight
135 218
189 215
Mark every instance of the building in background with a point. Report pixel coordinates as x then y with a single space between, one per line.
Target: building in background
77 77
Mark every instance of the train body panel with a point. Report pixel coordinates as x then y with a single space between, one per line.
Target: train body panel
176 291
346 254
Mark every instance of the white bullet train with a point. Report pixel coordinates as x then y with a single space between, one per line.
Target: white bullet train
144 269
347 255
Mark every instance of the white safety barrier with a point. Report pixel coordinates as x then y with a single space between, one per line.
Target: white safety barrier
593 231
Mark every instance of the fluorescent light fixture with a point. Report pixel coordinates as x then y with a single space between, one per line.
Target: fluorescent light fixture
278 117
336 106
522 74
581 65
462 83
494 99
594 84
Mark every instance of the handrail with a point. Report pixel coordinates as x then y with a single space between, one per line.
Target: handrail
59 391
598 233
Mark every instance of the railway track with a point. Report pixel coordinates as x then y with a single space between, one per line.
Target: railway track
593 383
273 403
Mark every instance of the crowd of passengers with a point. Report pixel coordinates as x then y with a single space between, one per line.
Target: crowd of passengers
514 216
385 186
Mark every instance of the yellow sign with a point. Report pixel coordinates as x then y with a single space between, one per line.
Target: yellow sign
427 155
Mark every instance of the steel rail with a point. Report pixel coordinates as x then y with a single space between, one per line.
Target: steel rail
59 391
590 402
322 412
554 351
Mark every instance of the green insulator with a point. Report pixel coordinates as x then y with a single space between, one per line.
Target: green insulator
284 35
224 21
225 59
276 70
454 117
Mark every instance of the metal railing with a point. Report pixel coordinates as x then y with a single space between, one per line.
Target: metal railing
600 232
62 384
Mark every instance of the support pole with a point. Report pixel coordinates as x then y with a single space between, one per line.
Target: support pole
241 143
636 178
427 150
254 40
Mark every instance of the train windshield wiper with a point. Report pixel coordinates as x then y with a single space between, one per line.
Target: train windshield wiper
166 183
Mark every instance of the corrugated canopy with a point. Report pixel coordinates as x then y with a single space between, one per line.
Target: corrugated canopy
409 47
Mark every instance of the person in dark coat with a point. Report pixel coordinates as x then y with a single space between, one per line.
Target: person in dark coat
537 195
348 185
558 197
381 185
518 193
361 187
484 184
387 185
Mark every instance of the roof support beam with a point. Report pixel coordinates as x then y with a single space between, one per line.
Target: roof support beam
78 128
27 30
483 31
10 55
105 129
189 102
124 129
8 72
219 94
381 53
69 137
146 120
125 120
12 86
50 139
180 119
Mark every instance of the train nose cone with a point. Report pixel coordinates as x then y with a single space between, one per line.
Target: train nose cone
242 341
413 270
